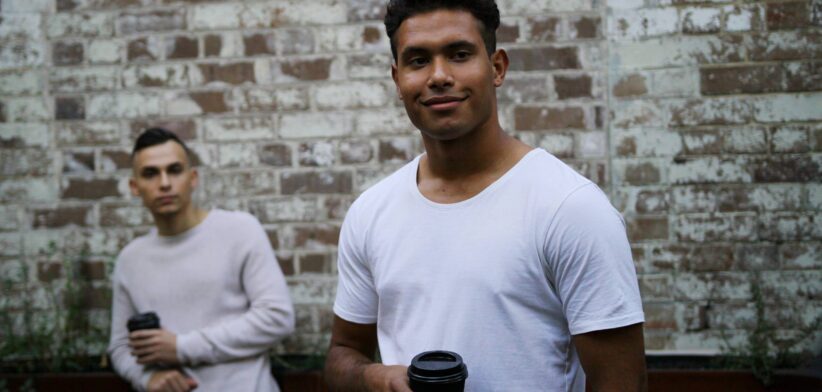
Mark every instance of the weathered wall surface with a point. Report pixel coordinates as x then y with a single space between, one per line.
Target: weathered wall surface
702 119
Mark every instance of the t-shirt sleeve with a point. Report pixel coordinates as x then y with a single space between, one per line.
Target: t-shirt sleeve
589 260
357 299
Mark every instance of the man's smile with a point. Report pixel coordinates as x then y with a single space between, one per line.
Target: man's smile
443 102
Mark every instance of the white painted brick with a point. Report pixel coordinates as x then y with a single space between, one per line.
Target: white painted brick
215 16
246 128
23 54
625 4
124 105
13 6
740 18
32 190
237 155
262 71
28 109
285 209
309 12
318 154
95 24
340 38
19 82
392 121
63 79
675 82
671 51
745 140
180 104
710 170
104 51
18 27
25 134
165 75
372 66
814 196
701 19
788 107
351 95
9 217
776 197
650 142
308 125
530 7
85 133
642 23
11 244
638 113
789 139
557 144
591 145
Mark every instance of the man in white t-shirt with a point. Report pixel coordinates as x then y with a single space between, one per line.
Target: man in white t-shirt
482 245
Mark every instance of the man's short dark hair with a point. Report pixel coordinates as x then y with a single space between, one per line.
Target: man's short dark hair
485 11
154 136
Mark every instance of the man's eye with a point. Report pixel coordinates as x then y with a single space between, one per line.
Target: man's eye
418 61
175 169
149 173
462 55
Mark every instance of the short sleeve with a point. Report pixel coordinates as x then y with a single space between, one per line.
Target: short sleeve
590 261
357 299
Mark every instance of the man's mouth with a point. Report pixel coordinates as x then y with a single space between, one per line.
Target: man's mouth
166 199
443 102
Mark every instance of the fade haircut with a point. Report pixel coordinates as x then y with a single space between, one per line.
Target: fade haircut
485 11
155 136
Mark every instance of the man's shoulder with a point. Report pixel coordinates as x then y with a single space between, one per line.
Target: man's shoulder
548 173
386 188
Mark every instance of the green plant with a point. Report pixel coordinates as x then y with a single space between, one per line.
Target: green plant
46 326
764 351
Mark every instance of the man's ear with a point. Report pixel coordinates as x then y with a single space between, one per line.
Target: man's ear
195 177
499 60
394 76
132 184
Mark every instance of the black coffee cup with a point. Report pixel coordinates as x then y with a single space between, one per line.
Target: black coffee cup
148 320
437 371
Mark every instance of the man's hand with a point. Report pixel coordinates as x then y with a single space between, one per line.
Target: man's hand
154 347
170 381
381 378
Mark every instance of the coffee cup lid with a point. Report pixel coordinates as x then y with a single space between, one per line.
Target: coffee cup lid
438 367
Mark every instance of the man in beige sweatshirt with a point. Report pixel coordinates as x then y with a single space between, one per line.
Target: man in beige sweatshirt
212 278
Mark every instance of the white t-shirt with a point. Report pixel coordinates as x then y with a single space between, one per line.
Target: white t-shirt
503 278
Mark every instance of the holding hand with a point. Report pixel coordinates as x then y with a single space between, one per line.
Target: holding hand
154 347
170 381
383 378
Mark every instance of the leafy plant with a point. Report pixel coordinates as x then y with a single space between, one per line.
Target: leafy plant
46 327
764 351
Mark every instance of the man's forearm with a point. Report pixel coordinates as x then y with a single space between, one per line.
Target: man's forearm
345 369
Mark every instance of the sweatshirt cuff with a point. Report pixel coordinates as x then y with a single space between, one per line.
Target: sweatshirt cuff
193 349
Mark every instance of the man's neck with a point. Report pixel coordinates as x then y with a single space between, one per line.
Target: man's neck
185 219
455 170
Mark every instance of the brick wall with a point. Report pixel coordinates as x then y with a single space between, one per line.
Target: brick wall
702 119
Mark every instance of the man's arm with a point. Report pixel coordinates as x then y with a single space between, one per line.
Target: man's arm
613 359
118 349
350 364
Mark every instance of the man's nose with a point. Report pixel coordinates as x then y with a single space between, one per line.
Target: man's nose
440 73
164 180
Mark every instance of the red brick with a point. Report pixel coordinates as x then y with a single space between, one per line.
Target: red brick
151 21
313 237
235 73
316 69
48 272
720 111
544 59
775 47
2 112
704 228
129 215
709 257
391 152
787 15
275 155
786 169
536 118
756 257
742 79
210 101
93 270
286 264
651 201
572 86
314 263
356 151
117 159
372 35
660 316
644 173
803 255
643 228
804 76
90 189
316 182
78 162
184 129
523 89
69 108
788 226
138 50
655 287
585 27
66 5
96 298
67 53
544 29
507 33
627 147
259 44
631 86
182 47
61 217
213 45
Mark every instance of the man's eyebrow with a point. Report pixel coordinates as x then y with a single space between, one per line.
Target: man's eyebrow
459 44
